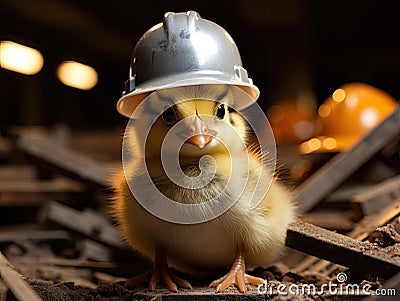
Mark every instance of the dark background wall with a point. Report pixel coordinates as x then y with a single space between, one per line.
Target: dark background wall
292 49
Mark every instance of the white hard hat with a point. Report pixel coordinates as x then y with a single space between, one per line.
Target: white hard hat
183 50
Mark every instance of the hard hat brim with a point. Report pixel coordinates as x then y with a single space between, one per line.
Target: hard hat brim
127 104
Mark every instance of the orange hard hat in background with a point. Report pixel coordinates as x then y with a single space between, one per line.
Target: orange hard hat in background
351 112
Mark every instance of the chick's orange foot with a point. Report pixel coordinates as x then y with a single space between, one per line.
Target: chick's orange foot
236 276
160 273
156 276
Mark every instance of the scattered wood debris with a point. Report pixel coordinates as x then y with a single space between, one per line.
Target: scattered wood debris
56 233
14 281
51 155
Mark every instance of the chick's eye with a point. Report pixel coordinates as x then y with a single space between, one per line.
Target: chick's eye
221 111
169 116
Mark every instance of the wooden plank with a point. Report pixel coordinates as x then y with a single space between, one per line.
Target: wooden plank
32 186
360 232
39 236
66 262
346 193
361 257
92 250
3 291
20 289
89 223
38 192
369 223
53 156
17 172
371 200
330 219
340 167
340 198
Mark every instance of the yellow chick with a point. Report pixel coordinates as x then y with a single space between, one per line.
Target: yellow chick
238 239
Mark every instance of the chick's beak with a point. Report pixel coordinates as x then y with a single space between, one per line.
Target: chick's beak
197 133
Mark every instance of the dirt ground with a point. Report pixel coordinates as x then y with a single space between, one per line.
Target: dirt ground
275 276
77 283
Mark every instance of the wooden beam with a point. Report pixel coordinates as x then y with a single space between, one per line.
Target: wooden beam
31 192
89 223
330 219
40 236
20 289
55 157
369 223
360 232
361 257
373 199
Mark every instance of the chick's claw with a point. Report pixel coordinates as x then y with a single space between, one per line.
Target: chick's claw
159 275
139 279
236 276
169 279
232 278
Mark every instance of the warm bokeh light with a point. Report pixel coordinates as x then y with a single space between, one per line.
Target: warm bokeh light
314 144
324 111
20 58
304 148
77 75
329 143
310 145
339 95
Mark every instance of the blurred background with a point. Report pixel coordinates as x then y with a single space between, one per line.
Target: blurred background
295 50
